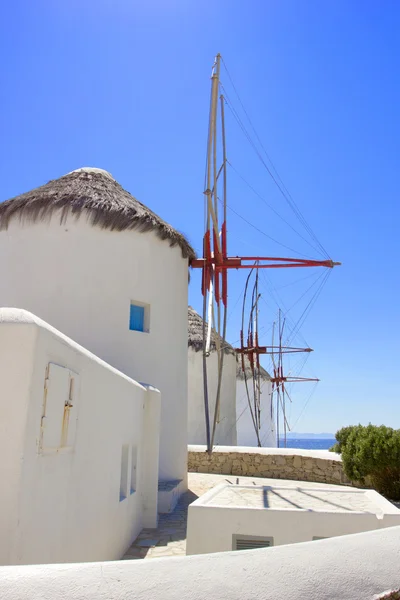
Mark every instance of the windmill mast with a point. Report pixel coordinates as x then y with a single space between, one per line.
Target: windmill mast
215 265
211 225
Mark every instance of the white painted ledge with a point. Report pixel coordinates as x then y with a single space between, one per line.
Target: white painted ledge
354 567
21 317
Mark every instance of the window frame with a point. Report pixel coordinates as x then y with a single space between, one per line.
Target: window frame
146 316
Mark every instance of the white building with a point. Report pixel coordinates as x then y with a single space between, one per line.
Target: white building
85 256
226 427
78 449
246 434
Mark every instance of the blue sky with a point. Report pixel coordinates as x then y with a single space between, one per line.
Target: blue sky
125 86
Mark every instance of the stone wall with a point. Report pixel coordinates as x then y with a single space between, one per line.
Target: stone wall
303 465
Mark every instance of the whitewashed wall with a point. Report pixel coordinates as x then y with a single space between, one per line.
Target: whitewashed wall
212 522
81 279
354 567
246 435
60 494
226 428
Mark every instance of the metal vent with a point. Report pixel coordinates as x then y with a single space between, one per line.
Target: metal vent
251 542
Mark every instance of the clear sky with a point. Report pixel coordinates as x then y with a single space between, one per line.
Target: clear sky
124 85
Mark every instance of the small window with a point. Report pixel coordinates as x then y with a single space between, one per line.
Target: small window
139 317
133 469
136 321
123 485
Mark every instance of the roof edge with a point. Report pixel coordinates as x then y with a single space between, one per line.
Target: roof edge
55 197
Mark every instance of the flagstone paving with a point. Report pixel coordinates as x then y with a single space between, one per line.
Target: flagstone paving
169 539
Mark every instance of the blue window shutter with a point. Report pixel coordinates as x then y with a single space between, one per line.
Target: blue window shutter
136 321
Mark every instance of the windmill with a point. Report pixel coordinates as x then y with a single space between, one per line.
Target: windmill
251 350
215 262
279 380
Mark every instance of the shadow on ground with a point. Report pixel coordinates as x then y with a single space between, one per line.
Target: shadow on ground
169 539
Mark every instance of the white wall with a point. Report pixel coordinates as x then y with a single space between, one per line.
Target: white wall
81 279
211 526
355 567
226 428
246 436
60 495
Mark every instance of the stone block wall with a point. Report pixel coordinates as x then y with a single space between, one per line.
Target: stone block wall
300 465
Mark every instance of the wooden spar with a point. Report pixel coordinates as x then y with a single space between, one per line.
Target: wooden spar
210 219
270 349
221 355
263 262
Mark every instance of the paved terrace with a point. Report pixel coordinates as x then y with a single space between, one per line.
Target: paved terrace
169 539
278 497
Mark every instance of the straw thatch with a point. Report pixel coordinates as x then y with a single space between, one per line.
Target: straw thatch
195 334
265 376
95 193
195 341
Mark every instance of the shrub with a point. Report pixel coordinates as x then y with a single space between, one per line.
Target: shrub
372 453
342 436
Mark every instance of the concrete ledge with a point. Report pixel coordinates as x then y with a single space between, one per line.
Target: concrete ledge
21 317
320 466
351 567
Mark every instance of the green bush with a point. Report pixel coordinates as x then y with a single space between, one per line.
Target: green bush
372 454
342 436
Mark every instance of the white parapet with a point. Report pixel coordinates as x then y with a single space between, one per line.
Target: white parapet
353 567
78 446
234 517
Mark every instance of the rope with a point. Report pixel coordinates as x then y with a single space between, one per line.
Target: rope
285 195
308 308
306 404
243 365
265 234
282 188
272 208
279 303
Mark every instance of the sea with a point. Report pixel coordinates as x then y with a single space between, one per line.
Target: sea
308 444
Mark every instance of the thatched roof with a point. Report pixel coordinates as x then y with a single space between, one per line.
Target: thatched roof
95 193
195 341
195 334
265 376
